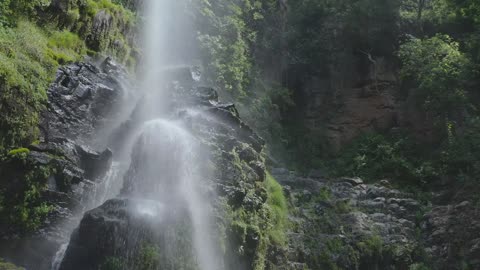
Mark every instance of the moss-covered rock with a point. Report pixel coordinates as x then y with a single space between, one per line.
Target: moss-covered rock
345 224
8 266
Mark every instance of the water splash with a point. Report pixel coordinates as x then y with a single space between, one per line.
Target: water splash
160 159
166 170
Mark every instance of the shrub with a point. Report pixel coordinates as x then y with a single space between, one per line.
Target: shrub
22 184
25 72
65 46
113 263
148 258
439 69
279 211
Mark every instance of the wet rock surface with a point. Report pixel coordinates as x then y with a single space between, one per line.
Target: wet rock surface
82 98
78 101
233 160
118 229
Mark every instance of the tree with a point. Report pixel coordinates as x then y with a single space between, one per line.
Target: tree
439 70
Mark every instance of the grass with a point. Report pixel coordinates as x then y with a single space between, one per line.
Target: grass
29 57
279 211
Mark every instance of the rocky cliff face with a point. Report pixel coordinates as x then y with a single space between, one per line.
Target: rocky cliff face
364 98
67 174
115 233
347 224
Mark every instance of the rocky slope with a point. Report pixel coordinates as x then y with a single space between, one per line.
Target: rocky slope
348 224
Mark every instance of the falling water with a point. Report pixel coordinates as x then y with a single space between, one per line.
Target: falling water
165 165
162 167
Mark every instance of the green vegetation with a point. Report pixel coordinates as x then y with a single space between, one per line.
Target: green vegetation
279 211
226 39
148 258
65 47
113 263
374 156
20 152
25 72
21 187
8 266
256 224
439 72
29 56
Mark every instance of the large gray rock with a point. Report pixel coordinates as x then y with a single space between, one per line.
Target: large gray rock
350 225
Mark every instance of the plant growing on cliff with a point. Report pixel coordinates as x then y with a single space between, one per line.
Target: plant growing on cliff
439 71
279 211
8 266
24 209
29 57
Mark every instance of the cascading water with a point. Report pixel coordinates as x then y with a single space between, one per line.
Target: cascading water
165 171
160 160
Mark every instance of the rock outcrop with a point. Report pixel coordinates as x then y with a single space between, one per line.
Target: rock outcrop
235 183
346 224
451 230
67 172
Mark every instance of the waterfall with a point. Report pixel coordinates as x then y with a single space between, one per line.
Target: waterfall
165 170
159 160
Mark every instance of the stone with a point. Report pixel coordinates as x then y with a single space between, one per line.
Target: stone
354 181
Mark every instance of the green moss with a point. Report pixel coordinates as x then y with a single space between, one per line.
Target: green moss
113 263
19 152
29 57
329 256
8 266
253 231
22 184
148 258
279 211
371 246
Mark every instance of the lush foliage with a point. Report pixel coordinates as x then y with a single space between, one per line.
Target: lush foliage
26 68
30 52
440 73
10 10
279 207
29 56
21 189
227 34
375 156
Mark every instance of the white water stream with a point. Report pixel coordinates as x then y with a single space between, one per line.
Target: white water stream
168 173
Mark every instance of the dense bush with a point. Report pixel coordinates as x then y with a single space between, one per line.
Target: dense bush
401 158
279 211
21 186
374 157
226 38
439 73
